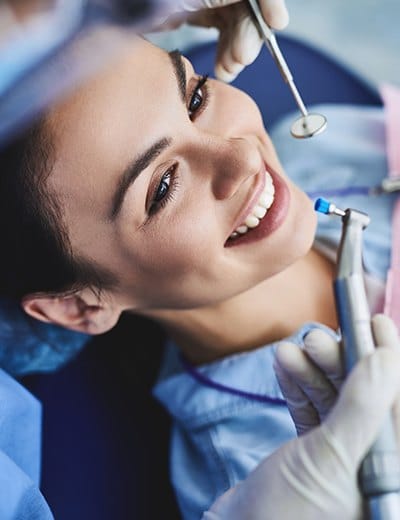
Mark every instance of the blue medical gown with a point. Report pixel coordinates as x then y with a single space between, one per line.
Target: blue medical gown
26 346
20 438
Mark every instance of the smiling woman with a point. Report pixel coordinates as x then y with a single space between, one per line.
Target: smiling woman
161 167
157 191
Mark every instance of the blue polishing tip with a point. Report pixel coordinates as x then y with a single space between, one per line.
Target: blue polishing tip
322 205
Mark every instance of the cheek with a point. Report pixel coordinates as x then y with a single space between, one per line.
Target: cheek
236 110
301 224
188 245
174 270
177 250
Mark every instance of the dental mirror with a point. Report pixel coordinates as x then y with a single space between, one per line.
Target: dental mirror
308 125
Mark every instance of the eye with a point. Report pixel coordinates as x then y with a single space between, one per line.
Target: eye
164 191
163 187
199 98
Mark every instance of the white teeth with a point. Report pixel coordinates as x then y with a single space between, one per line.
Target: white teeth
269 185
259 211
242 229
266 200
252 221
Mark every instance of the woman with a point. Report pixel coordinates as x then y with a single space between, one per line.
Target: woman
157 191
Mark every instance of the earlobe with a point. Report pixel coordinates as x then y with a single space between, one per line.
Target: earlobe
75 311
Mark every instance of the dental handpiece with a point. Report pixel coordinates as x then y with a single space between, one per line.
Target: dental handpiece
308 124
379 475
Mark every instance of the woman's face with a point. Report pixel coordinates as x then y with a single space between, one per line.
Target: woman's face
159 172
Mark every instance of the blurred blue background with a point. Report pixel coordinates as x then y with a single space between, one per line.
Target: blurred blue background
362 34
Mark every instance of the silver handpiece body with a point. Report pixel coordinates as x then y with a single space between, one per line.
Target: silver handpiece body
380 471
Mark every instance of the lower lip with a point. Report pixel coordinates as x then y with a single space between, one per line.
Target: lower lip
274 217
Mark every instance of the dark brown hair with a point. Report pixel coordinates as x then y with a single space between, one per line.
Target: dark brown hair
36 255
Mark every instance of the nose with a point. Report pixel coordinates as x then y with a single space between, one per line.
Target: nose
232 161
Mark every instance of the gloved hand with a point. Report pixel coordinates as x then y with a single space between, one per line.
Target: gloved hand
315 475
239 42
311 377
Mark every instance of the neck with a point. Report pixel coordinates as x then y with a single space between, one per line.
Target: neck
268 312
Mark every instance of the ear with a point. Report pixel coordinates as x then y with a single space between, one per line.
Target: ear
82 311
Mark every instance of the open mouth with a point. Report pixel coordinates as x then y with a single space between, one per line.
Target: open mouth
259 210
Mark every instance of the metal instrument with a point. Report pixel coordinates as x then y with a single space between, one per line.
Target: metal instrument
379 474
308 124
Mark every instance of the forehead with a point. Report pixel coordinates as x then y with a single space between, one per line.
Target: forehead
99 129
118 107
126 77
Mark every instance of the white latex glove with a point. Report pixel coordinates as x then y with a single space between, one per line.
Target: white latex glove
310 378
239 42
315 476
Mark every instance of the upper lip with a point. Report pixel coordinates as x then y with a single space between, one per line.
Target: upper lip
254 193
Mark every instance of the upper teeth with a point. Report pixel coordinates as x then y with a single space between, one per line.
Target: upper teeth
259 210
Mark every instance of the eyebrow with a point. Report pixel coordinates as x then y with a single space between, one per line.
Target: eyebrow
142 161
133 170
180 71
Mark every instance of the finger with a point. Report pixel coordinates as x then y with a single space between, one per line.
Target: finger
386 334
226 68
364 403
384 331
327 354
275 13
307 376
396 420
238 46
304 415
195 5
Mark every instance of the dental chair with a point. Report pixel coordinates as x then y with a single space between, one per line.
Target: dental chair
105 439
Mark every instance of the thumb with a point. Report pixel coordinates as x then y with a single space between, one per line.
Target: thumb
386 334
275 13
195 5
238 46
385 331
364 403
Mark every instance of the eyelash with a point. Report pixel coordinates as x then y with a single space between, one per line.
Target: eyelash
172 186
200 89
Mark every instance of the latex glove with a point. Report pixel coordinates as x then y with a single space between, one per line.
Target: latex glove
239 42
315 476
310 377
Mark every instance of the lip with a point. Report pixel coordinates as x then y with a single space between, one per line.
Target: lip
275 216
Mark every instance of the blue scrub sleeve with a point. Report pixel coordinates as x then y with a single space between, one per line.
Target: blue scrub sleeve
20 442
